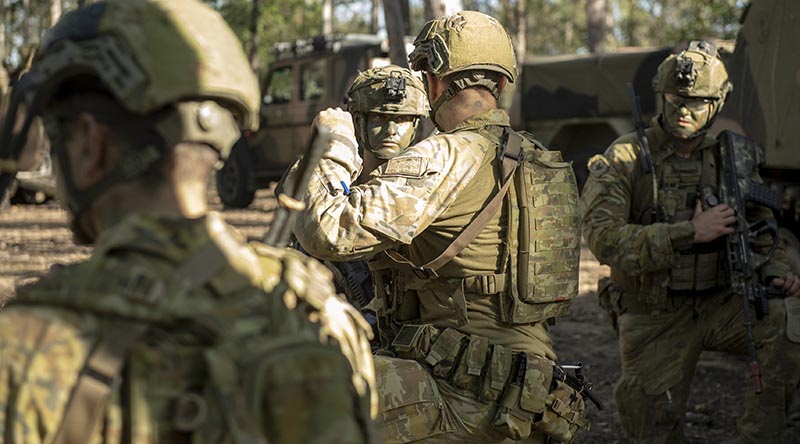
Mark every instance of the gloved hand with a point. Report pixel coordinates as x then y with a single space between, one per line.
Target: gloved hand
340 123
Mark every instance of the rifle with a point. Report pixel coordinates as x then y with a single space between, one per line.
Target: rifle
577 381
356 281
290 202
742 263
645 159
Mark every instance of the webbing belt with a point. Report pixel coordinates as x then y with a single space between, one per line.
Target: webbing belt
512 157
86 406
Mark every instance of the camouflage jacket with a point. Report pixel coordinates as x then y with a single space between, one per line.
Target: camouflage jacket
400 201
615 201
257 350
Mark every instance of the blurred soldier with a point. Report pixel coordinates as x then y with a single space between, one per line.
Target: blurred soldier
174 330
387 104
480 227
672 299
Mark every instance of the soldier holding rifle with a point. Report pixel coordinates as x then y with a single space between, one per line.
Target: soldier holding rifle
684 277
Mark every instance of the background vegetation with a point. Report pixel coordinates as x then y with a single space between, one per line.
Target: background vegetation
538 26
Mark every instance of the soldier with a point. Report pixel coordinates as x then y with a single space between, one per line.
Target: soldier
671 297
386 104
174 330
480 227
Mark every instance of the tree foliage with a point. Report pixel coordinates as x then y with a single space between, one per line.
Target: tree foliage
553 26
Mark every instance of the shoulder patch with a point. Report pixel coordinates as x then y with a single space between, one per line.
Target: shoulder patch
406 166
598 165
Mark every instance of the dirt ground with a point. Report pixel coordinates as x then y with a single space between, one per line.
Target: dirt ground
34 237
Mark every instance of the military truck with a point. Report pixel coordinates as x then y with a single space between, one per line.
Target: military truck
765 102
307 76
578 104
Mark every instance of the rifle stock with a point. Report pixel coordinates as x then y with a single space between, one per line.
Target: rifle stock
290 202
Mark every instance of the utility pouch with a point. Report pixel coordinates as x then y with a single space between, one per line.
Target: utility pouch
445 352
497 375
565 412
413 341
792 318
471 366
524 398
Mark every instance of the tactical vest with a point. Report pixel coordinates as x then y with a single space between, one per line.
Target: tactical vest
682 182
538 272
203 362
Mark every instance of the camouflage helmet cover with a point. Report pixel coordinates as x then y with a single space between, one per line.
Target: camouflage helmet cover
151 53
466 40
695 72
388 90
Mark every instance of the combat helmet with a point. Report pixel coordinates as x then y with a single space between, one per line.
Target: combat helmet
174 66
470 47
695 72
388 89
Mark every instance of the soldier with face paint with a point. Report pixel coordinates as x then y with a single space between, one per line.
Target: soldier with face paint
663 235
386 104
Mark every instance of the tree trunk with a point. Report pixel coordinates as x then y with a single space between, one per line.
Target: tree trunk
255 36
522 32
26 22
393 15
55 11
373 22
433 9
3 52
327 17
404 7
596 12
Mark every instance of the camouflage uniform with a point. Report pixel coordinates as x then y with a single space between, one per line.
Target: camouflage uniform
174 330
466 358
397 98
237 313
671 296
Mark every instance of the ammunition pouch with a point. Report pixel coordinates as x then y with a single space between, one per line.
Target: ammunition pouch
792 318
521 384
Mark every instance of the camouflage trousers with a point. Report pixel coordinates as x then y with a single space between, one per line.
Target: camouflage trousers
416 407
659 354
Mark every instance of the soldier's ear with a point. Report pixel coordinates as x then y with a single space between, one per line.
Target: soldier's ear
92 153
501 85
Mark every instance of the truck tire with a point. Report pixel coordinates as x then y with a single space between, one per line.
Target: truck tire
235 179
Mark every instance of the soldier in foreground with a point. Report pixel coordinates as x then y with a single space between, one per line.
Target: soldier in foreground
174 330
480 228
664 235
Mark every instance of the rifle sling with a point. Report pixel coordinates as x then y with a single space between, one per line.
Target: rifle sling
85 409
512 156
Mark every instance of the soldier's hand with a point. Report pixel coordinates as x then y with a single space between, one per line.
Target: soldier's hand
338 121
712 223
789 283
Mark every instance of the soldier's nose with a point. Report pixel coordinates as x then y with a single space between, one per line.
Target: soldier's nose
391 128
